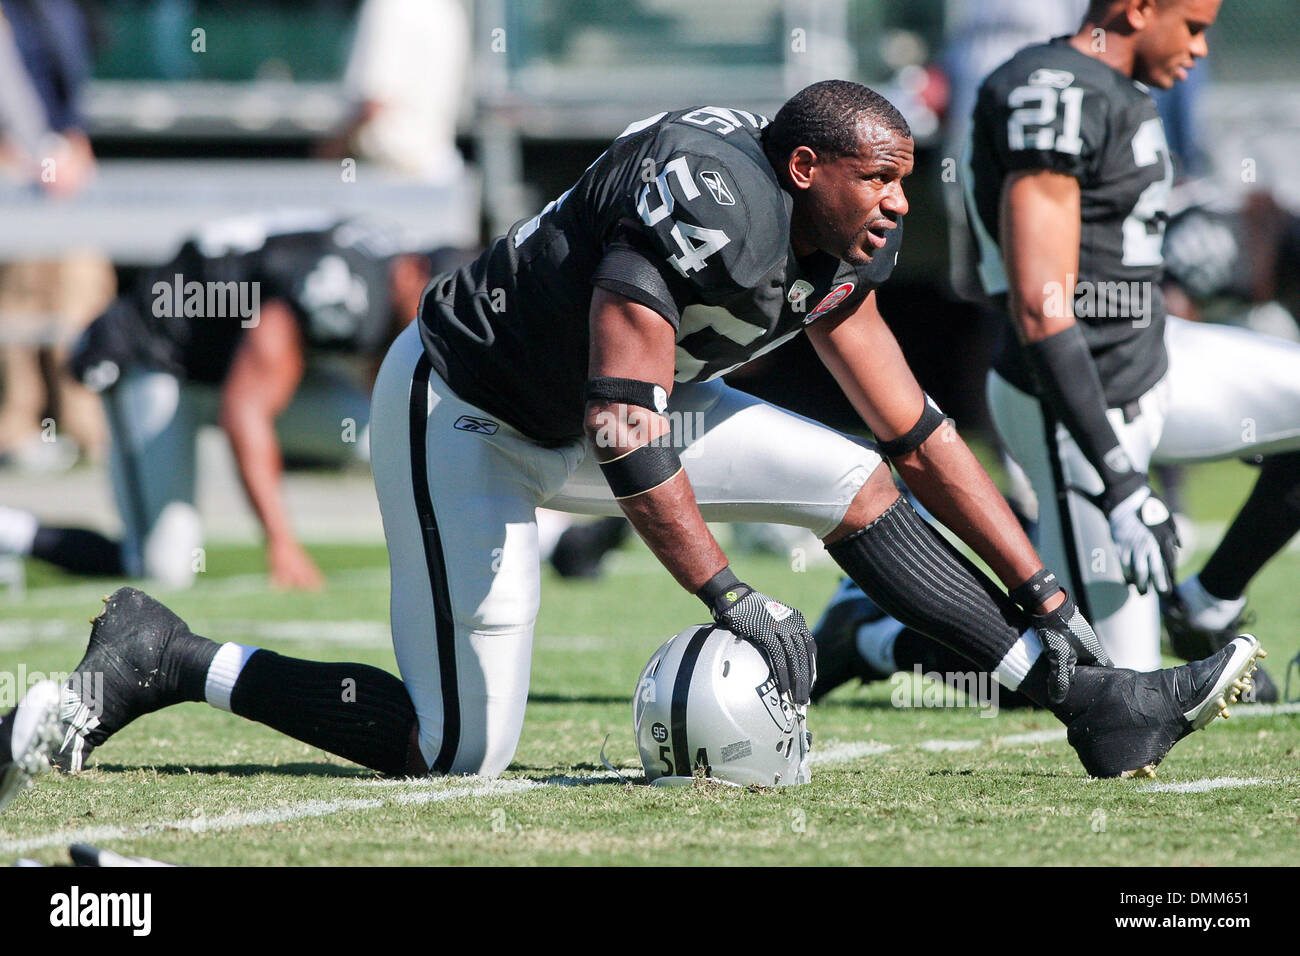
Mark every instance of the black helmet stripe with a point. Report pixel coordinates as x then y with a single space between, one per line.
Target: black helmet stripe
681 695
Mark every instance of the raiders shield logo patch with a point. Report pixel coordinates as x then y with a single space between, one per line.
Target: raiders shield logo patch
778 709
833 298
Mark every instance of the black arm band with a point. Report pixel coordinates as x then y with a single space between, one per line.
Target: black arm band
1041 586
931 418
715 591
643 469
627 391
1068 379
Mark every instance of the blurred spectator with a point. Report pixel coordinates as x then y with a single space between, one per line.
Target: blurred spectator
22 117
405 76
44 303
247 326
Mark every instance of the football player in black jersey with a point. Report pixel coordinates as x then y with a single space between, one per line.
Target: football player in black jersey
1066 181
272 326
576 364
1070 171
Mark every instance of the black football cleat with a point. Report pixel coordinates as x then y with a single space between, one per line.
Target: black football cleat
1121 723
28 734
836 636
1192 642
132 667
581 549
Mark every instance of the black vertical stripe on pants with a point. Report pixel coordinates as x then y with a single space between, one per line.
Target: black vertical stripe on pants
437 568
137 523
1078 587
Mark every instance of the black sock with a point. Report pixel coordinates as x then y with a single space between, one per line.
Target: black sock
915 576
79 551
1267 521
354 711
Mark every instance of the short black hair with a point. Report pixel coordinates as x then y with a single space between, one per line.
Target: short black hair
1098 8
825 117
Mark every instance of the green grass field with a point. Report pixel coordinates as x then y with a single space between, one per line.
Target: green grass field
892 785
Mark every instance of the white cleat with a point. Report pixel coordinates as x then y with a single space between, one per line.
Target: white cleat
33 729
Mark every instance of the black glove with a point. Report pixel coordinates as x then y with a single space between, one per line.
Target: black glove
1067 637
777 630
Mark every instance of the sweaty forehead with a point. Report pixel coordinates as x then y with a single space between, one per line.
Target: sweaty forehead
881 145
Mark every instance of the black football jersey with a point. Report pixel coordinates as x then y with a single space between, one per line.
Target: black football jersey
1053 107
189 315
683 214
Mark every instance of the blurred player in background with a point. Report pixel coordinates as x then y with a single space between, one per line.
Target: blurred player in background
1094 384
240 329
1234 261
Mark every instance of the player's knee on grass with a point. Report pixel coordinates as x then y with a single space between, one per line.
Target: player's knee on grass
471 725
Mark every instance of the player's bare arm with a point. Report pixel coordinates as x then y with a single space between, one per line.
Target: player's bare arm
631 341
632 347
862 354
1041 225
265 373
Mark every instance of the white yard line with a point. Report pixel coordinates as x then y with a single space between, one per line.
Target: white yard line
22 632
844 751
938 746
1033 737
19 633
422 790
259 818
64 595
1264 710
406 791
1201 786
1012 740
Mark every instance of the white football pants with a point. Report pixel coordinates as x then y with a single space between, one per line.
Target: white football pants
155 417
1229 392
458 491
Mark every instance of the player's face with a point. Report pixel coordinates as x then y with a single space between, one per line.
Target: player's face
1173 41
855 200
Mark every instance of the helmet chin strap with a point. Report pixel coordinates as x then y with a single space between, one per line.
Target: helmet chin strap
609 766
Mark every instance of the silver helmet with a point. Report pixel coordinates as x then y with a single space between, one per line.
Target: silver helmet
707 700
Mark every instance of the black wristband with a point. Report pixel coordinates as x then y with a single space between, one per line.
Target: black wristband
1040 586
722 591
627 391
1071 388
643 469
931 418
